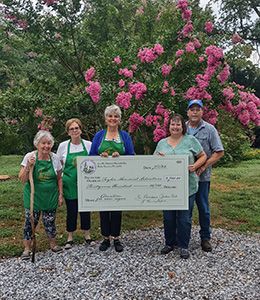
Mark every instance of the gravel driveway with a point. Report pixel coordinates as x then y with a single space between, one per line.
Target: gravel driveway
231 271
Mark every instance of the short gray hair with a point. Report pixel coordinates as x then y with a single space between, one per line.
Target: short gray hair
113 109
43 134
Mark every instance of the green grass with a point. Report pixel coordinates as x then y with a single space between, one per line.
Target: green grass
234 197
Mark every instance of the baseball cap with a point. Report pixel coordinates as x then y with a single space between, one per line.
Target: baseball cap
198 102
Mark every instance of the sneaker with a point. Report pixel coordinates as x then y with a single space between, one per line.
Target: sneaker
118 246
206 246
184 253
68 245
104 245
166 249
26 255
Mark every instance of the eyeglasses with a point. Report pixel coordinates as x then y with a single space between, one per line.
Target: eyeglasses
73 128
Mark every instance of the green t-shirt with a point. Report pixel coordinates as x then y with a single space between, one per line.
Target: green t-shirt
188 145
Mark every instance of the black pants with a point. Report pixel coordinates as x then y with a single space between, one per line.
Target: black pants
72 215
110 223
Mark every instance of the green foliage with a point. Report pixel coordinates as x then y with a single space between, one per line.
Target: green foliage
233 137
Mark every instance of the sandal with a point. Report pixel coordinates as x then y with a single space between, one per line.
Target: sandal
68 245
56 249
89 242
26 255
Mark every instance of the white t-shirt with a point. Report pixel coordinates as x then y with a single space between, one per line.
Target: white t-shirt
55 160
63 149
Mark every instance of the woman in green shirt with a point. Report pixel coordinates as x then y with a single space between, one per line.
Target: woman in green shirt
48 192
177 224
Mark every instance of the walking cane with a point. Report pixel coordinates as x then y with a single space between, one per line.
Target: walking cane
31 212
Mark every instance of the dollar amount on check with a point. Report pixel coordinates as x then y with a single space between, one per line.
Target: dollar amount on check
137 182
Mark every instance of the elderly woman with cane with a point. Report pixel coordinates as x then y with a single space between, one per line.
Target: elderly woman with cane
47 184
111 142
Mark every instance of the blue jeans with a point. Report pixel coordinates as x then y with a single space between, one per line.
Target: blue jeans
177 226
202 201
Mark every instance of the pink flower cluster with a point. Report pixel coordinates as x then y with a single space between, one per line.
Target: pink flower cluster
210 115
121 83
94 90
125 72
197 93
190 47
90 73
123 99
138 90
186 13
117 60
152 120
236 38
165 88
159 133
135 121
224 74
38 112
228 93
202 81
179 52
208 27
148 55
49 2
166 69
187 29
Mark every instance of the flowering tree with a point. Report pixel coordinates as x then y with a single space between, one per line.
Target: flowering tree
149 57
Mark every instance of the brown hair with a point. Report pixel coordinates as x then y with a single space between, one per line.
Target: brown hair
177 118
70 121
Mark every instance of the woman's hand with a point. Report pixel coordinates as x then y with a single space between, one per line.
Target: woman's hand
160 153
201 170
104 154
115 154
31 161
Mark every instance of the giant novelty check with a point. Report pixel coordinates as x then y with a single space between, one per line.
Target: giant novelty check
140 182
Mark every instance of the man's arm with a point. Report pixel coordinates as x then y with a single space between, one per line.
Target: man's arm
216 156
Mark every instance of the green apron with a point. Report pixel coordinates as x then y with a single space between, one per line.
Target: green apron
69 178
45 186
111 146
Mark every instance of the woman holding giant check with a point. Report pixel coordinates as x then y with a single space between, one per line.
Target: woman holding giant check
177 224
111 142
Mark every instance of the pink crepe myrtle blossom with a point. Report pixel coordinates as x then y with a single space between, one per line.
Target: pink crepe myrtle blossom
182 4
173 93
121 83
159 133
228 93
135 121
160 109
186 14
22 24
134 67
187 29
38 112
148 55
90 73
158 49
49 2
166 69
224 74
190 47
244 117
197 93
152 120
196 43
208 27
126 73
123 99
117 60
179 52
236 38
210 115
202 81
177 61
94 90
165 88
138 89
201 59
